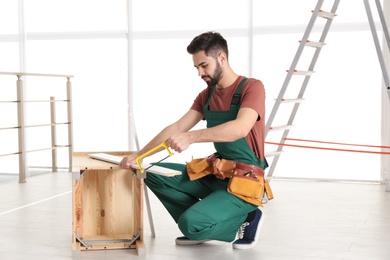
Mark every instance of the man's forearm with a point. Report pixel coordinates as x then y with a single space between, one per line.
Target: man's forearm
158 139
227 132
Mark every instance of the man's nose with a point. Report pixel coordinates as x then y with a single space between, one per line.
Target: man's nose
201 72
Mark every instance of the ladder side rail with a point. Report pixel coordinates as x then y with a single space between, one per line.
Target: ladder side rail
377 45
383 22
294 63
387 37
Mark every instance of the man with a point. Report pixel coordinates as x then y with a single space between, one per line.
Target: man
203 208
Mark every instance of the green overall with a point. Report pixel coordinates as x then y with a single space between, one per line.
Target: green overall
203 208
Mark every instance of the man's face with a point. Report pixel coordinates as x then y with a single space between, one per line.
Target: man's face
209 69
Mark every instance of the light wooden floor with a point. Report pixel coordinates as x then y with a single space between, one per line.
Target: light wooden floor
306 220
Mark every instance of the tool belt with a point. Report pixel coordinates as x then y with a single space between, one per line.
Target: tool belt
246 181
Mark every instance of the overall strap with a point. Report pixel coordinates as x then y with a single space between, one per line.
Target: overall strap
207 105
236 97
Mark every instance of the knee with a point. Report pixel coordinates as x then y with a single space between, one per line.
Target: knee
192 224
186 224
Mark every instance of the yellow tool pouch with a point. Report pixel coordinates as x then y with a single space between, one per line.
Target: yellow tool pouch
268 191
199 168
249 185
249 188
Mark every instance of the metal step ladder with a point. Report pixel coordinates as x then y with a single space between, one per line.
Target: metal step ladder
305 42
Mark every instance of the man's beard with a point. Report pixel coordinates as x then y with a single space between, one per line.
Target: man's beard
216 76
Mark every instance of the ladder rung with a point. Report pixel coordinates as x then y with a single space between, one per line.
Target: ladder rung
292 100
314 44
303 72
273 153
326 15
282 127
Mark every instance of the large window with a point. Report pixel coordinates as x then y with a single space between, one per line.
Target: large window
88 39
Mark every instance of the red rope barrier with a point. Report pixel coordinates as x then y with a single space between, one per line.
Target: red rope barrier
324 148
323 142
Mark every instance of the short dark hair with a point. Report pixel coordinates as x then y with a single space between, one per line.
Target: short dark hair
210 42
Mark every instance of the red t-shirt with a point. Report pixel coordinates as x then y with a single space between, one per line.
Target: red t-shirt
252 96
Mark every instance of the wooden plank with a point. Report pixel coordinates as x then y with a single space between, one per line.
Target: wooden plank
117 153
77 198
158 170
82 160
139 207
115 159
140 247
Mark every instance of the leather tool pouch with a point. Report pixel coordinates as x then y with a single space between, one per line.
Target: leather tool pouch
268 190
247 186
198 168
224 168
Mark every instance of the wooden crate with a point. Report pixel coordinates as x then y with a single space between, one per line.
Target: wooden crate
107 205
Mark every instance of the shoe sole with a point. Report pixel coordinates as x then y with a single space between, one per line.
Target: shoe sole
189 242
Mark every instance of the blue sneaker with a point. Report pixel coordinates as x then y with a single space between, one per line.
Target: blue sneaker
248 233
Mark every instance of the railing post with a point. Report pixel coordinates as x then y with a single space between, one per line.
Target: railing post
70 120
54 166
21 130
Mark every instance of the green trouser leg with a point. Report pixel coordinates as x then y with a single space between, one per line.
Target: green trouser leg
202 208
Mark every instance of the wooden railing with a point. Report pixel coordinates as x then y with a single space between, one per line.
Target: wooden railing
53 124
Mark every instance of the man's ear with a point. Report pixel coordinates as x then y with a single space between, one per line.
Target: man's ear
222 57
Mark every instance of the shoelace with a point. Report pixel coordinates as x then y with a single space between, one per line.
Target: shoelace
241 230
